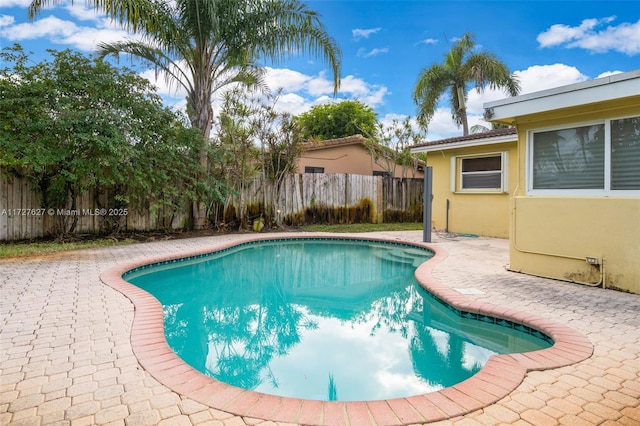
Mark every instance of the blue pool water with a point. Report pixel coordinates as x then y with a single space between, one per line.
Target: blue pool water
322 319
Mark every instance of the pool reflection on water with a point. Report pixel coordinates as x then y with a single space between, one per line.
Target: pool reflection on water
325 320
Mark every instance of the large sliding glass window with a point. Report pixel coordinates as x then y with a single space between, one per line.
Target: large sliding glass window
598 157
625 153
569 158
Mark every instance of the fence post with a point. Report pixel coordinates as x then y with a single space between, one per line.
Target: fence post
427 198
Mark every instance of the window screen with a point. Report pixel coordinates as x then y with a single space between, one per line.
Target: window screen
570 158
625 154
481 172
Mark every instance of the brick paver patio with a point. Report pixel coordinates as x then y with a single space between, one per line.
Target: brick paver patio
66 355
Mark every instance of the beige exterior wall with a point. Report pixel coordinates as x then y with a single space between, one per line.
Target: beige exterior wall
481 213
351 159
552 236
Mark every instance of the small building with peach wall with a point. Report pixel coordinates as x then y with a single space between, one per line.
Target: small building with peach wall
351 155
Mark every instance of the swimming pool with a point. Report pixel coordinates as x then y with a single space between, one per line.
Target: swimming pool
323 319
496 380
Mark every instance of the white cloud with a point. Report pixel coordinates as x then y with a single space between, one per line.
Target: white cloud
371 94
287 80
355 86
299 92
165 88
87 39
541 77
532 79
376 96
591 35
359 33
63 32
50 26
560 33
319 85
84 14
387 119
6 20
16 3
442 125
608 73
428 41
373 52
292 103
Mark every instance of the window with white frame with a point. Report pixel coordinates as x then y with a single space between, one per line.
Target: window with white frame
485 173
591 158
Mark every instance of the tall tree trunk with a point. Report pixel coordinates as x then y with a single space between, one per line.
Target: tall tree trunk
462 110
465 122
201 117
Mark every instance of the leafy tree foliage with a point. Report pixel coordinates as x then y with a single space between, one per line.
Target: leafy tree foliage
72 124
338 120
389 147
461 66
281 140
256 140
204 46
236 138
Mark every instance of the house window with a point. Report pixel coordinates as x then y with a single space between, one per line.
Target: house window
311 169
486 173
381 173
591 159
481 173
625 154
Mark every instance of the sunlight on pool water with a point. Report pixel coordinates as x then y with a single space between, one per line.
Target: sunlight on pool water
325 320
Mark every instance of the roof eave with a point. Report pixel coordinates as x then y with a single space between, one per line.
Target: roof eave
604 89
465 144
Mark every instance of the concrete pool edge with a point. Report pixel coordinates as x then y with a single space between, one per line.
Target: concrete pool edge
497 379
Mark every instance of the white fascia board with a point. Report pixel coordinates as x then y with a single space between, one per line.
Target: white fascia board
465 144
602 89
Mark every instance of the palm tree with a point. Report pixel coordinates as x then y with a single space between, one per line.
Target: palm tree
205 45
479 128
460 67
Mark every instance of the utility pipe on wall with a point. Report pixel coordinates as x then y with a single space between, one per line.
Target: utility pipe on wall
514 240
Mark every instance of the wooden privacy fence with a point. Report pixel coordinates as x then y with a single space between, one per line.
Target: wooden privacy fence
301 199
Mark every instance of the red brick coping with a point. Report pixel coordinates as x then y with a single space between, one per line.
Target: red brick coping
499 377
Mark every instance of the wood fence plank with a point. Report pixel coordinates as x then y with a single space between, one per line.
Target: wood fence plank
298 193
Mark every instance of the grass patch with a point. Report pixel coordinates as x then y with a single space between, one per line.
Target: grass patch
43 247
34 248
364 227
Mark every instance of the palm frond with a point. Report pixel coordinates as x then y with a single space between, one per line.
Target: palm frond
288 27
486 70
461 66
432 83
156 57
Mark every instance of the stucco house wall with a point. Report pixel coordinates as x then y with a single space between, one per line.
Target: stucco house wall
347 155
581 235
471 211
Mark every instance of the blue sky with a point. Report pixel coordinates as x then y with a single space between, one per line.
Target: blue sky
385 44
